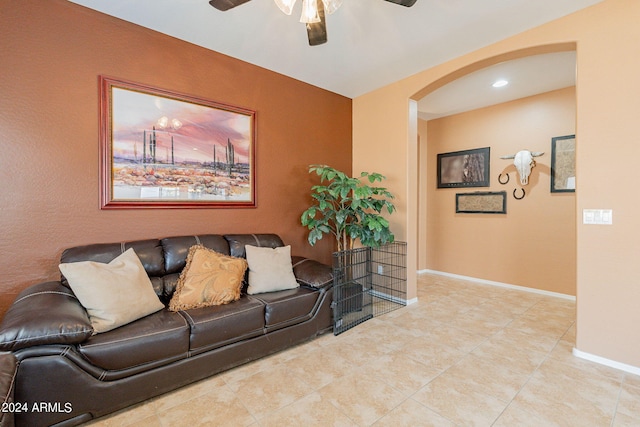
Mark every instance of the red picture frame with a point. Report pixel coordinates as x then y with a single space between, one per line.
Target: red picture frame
163 149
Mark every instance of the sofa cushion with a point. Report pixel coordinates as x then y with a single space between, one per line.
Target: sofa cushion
215 326
209 278
46 313
161 336
288 307
169 283
113 294
149 251
270 269
177 248
237 242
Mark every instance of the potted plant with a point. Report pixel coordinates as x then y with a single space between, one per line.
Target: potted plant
349 209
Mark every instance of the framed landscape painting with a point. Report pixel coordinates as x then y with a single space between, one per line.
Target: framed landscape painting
162 149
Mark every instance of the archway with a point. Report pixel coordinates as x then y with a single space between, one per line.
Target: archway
416 215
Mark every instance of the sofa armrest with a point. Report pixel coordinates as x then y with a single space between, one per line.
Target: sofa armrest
8 370
312 273
46 313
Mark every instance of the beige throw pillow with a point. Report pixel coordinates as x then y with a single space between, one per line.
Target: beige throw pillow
208 278
270 269
113 294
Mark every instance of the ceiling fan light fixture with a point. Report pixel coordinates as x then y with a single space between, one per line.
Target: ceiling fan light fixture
286 6
331 6
309 12
313 13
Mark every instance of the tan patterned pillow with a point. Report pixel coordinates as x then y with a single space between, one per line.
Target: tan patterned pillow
209 278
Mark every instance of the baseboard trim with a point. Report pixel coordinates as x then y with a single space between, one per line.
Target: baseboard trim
412 301
500 284
607 362
387 297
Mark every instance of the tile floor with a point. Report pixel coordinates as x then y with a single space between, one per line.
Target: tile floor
464 354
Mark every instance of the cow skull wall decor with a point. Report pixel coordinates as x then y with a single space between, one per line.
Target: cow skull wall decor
524 162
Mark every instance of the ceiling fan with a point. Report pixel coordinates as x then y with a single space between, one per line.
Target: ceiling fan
313 12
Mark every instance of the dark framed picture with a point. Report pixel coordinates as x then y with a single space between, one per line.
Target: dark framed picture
563 164
482 202
163 149
468 168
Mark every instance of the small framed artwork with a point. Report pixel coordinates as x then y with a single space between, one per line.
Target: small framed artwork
482 202
563 164
163 149
468 168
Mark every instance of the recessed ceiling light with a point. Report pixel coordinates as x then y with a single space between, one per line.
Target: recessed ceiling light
500 83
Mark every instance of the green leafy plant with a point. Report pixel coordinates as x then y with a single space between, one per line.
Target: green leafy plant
348 208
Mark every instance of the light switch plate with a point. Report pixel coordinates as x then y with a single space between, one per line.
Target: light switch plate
597 216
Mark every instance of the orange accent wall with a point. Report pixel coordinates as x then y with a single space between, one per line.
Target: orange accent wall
534 244
52 56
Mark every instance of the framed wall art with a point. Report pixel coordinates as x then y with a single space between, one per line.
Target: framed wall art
468 168
563 164
163 149
482 202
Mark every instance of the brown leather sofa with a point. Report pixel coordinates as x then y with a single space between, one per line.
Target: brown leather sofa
8 368
73 376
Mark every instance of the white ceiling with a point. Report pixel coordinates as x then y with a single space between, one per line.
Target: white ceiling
372 43
527 76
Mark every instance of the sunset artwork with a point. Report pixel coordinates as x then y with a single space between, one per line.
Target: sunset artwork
178 152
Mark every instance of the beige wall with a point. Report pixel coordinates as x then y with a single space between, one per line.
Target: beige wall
606 37
382 149
534 244
426 176
51 57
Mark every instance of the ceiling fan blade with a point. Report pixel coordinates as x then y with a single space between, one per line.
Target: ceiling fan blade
317 32
226 4
407 3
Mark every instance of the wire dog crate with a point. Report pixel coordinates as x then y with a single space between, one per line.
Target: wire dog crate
368 282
